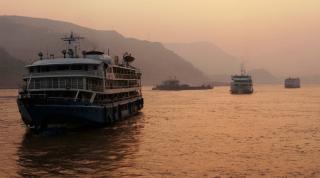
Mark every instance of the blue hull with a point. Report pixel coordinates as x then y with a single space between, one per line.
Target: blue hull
40 115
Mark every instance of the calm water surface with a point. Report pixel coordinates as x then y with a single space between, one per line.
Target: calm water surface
272 133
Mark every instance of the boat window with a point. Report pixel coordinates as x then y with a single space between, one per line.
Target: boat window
62 67
44 69
37 83
76 67
92 67
55 83
80 83
115 70
50 83
62 83
74 83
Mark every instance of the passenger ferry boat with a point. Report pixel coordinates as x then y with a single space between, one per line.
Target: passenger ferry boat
292 83
94 89
241 84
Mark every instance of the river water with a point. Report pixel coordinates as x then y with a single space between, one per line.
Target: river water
273 133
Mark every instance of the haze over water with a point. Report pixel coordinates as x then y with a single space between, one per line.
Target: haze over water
274 132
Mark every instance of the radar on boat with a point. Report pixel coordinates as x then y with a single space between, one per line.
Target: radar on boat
127 58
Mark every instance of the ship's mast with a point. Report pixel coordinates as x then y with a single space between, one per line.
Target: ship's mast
72 45
243 70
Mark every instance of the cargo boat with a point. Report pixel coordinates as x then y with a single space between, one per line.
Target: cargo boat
292 83
174 84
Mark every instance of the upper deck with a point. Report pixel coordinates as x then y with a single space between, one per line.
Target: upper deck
292 82
94 76
241 78
80 67
95 71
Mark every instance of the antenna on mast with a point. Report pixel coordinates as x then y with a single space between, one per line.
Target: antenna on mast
243 70
71 46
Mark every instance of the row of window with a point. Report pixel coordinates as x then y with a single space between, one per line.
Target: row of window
119 70
121 83
47 83
124 73
127 76
94 84
40 69
245 84
117 96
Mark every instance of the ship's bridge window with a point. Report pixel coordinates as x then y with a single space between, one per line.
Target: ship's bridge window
62 67
115 70
44 68
39 69
92 67
76 67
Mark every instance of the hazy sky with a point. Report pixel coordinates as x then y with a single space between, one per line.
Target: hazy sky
257 30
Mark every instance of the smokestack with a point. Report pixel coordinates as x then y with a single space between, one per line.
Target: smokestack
116 60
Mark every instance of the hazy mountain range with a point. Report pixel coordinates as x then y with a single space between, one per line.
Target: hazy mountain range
24 37
11 70
260 76
207 57
217 64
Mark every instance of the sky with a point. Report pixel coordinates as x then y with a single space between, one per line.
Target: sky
263 32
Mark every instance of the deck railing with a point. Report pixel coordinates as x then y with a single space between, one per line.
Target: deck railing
43 99
95 73
127 76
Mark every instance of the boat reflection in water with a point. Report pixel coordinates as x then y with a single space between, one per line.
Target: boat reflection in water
94 152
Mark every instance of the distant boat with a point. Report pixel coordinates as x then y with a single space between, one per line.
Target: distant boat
292 83
241 84
174 84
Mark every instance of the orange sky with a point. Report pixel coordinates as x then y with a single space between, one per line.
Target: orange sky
238 26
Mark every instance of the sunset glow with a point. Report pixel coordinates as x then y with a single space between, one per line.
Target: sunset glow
249 29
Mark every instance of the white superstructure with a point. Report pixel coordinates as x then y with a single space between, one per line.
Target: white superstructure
93 79
241 84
